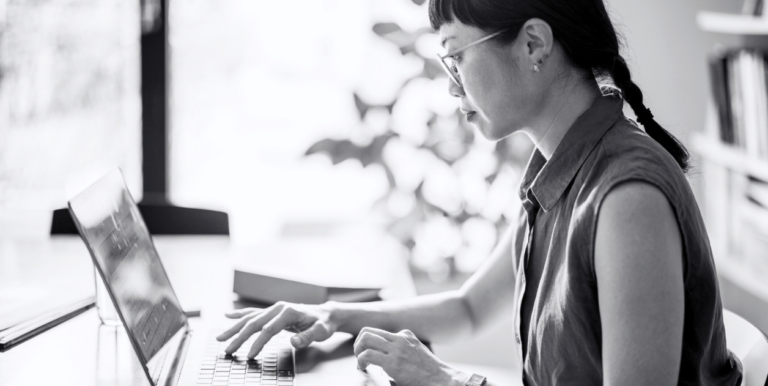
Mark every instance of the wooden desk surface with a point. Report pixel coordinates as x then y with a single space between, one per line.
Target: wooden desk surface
83 352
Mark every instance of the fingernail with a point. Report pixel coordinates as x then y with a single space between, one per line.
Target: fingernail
296 340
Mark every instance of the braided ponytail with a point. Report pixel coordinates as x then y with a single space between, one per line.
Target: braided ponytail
634 97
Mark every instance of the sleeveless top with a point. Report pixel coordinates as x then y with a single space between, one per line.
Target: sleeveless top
557 315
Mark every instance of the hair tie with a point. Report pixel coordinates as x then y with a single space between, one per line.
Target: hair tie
644 115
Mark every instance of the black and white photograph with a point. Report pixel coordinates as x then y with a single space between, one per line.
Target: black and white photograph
383 192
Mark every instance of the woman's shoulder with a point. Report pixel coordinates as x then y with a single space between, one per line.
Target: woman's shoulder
626 144
628 169
627 153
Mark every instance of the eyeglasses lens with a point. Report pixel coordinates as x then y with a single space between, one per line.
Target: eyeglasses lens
449 65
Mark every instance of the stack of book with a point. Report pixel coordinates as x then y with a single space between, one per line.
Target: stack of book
311 271
738 79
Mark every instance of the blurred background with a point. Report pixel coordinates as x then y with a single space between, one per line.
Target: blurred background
297 117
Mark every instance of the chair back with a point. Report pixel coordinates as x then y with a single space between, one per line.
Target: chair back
750 345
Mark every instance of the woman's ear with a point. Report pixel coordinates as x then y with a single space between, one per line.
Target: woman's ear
538 38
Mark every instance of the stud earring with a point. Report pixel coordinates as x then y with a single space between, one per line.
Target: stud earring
539 63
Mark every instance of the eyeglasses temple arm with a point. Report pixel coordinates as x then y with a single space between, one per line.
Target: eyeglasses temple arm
493 35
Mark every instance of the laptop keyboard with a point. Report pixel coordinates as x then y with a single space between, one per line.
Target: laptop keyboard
273 366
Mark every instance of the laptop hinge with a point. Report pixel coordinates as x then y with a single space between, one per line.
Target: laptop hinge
177 364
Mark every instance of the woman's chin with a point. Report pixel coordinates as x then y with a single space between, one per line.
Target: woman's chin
493 132
488 132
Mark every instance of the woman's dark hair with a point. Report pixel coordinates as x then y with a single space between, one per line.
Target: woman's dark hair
584 30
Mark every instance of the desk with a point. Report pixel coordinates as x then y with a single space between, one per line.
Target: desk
82 352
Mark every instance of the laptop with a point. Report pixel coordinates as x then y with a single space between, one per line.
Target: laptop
170 352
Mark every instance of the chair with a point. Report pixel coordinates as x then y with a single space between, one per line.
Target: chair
750 345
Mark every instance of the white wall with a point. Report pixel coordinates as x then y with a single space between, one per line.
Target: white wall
667 54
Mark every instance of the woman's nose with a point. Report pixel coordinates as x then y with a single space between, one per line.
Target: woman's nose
454 89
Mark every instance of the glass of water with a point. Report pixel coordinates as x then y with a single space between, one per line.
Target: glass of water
107 312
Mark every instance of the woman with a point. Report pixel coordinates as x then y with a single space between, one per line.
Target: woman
609 273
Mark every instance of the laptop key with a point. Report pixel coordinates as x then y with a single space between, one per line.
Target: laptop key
285 360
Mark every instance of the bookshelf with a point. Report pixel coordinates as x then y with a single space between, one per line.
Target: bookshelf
713 150
727 171
732 24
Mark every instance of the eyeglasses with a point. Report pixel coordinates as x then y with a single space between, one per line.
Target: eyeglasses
449 63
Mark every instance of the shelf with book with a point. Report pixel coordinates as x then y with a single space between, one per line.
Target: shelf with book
734 161
732 23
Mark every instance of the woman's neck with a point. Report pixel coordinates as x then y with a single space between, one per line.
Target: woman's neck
566 102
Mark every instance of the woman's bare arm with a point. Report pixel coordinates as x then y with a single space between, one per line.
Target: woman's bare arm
439 317
639 268
447 316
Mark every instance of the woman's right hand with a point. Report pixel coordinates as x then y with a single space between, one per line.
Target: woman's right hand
311 321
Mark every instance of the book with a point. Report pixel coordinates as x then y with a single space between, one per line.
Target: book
718 72
270 289
762 104
739 87
735 97
755 105
309 272
752 7
748 104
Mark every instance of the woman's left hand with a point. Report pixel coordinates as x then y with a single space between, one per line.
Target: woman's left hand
404 358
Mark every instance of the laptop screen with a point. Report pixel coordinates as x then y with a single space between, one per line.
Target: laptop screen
111 226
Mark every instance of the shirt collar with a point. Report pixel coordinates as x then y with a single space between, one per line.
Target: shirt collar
545 181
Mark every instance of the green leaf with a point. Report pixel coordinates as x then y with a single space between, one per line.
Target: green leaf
382 29
392 32
373 152
339 150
